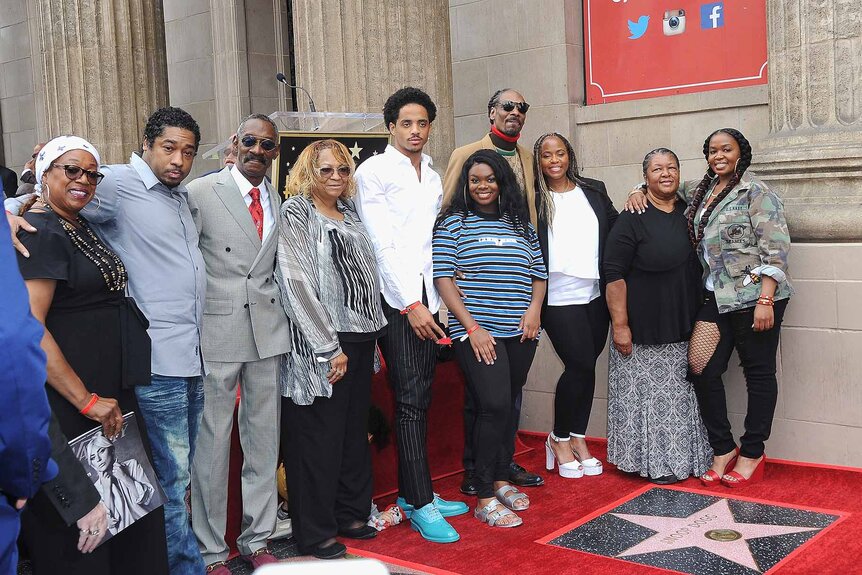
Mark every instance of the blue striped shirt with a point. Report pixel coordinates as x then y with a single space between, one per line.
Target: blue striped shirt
499 266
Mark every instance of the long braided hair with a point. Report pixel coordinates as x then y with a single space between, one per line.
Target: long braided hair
546 212
695 236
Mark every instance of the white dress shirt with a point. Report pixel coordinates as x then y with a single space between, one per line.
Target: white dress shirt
399 209
573 250
244 188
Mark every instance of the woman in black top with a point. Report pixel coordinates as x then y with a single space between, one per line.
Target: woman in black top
654 426
77 290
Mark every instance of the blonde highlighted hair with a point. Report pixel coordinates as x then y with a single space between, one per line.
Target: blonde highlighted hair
305 174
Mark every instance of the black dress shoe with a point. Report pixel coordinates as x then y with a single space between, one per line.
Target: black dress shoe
468 485
361 532
523 478
332 551
664 480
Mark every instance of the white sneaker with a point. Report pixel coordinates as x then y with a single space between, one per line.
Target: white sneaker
283 528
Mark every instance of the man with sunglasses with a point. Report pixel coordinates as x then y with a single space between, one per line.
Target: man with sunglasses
507 112
245 331
141 211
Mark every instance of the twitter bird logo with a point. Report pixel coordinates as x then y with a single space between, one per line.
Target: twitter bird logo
638 29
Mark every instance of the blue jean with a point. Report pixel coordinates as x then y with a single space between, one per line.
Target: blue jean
171 408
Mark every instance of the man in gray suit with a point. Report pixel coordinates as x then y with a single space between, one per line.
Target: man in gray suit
245 330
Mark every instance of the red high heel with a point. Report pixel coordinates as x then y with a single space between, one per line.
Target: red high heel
711 478
734 479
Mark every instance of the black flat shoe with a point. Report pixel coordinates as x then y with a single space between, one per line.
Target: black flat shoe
523 478
664 480
468 485
361 532
332 551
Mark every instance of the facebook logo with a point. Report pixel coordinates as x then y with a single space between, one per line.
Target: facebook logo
712 15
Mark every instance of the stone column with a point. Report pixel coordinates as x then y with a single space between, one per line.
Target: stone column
352 55
230 64
100 70
813 154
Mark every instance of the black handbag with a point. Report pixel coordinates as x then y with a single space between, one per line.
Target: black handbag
137 347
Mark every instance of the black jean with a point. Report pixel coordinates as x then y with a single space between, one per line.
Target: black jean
493 389
756 350
326 455
579 333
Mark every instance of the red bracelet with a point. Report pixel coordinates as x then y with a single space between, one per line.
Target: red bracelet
411 307
472 329
93 399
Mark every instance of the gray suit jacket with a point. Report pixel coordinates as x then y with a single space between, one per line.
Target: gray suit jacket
243 316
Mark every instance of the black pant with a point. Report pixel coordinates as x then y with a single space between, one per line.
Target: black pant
756 351
410 363
493 389
469 458
579 333
326 456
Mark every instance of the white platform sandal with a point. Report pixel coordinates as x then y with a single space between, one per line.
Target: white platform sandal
570 470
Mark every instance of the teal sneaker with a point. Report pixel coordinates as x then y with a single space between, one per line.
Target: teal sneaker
446 508
432 526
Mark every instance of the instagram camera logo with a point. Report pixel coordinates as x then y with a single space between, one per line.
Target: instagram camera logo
673 23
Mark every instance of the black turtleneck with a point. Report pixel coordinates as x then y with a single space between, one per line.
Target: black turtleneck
501 143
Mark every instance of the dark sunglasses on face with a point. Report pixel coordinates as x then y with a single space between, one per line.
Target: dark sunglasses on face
74 172
326 172
265 143
509 105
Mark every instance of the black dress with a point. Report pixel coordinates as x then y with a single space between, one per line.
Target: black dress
84 320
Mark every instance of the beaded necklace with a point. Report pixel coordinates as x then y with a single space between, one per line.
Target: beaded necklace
109 263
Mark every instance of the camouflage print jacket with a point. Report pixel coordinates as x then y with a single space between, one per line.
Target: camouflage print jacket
746 236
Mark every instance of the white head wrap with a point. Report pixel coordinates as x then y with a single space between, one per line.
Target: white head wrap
56 148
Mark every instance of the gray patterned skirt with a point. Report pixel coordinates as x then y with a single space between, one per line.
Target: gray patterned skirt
654 425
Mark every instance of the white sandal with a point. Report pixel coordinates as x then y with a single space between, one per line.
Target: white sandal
570 470
493 512
592 466
509 495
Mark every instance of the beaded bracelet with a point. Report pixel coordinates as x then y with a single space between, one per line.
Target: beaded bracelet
472 329
93 399
410 307
766 300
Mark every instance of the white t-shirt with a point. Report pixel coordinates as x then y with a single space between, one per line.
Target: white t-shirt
573 250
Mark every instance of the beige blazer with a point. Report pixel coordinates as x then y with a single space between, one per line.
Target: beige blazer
460 155
243 316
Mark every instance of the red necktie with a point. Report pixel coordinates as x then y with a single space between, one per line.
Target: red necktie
256 211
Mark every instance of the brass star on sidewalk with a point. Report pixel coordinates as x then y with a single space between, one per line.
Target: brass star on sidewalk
713 529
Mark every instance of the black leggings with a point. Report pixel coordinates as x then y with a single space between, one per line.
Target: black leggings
756 351
493 388
579 333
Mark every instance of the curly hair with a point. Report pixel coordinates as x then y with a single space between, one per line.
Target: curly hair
305 174
170 117
546 213
659 152
695 236
511 200
404 96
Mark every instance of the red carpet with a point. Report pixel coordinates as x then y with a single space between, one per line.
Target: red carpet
562 503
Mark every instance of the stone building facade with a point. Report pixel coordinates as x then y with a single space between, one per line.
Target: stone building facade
98 68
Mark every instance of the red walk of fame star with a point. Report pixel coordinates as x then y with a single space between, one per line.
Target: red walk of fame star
712 529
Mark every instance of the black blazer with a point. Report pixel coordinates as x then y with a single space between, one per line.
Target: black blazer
71 493
9 180
597 195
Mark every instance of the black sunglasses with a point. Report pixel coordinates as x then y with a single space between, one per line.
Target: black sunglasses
265 143
326 172
74 172
509 105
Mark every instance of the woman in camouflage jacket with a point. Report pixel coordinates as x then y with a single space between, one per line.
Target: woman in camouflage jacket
737 227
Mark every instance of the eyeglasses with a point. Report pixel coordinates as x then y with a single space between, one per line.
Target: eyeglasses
74 172
509 105
327 172
265 143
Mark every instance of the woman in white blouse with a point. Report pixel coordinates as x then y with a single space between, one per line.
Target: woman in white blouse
575 216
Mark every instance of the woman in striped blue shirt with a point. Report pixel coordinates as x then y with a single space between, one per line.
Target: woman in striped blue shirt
485 235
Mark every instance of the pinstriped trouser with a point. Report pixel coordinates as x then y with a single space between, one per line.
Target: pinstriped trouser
410 363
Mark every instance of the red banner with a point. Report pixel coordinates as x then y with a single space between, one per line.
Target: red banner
646 48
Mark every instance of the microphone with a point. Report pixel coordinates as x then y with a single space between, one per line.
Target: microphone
281 78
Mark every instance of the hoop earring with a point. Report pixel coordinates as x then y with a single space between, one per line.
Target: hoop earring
736 165
710 172
465 195
98 203
45 194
